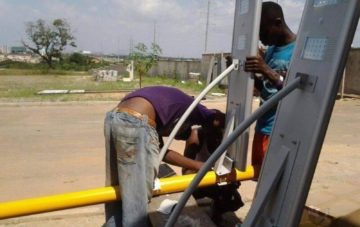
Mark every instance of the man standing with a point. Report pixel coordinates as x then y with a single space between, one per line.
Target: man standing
270 68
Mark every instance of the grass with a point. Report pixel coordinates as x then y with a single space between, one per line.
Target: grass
23 85
21 72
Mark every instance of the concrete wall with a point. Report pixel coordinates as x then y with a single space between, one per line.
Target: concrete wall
352 73
176 68
205 61
180 68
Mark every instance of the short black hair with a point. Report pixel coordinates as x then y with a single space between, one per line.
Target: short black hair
272 10
217 116
212 132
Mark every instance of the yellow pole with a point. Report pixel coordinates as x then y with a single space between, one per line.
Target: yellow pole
57 202
180 183
107 194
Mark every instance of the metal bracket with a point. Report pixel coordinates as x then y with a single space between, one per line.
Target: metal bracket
307 82
227 178
224 164
236 62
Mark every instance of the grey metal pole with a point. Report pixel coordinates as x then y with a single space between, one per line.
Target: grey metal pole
207 27
227 142
154 38
343 84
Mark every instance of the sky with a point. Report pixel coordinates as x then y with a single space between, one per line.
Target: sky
113 26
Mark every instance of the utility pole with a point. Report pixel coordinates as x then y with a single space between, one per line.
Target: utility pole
207 26
131 48
154 40
119 49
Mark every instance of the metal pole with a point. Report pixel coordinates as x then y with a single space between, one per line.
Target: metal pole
343 84
207 26
154 39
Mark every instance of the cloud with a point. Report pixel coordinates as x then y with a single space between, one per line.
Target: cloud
108 26
293 11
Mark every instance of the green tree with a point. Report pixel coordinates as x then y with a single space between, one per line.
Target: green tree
49 41
79 59
144 58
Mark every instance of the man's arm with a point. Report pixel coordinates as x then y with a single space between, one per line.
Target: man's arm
177 159
258 83
256 64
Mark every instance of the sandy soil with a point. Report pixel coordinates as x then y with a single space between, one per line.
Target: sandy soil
50 148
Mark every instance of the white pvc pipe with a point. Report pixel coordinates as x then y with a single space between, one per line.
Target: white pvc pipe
191 108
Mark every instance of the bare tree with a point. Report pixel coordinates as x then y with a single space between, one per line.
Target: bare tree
49 41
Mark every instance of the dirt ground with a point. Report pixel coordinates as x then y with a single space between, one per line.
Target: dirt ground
52 148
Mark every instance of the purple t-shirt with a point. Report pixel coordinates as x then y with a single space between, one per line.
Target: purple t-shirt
170 104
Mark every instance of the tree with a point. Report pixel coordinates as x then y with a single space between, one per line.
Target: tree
79 59
145 59
49 41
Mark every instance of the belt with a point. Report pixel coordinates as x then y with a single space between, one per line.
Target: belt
137 115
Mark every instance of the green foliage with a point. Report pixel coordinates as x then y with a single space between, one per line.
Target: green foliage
49 41
144 58
10 64
79 59
72 62
80 62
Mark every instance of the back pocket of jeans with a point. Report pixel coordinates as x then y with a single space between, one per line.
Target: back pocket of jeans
126 149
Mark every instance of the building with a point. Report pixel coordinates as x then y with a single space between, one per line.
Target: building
18 50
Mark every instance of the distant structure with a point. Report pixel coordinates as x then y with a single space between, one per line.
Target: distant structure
130 69
213 64
105 75
86 52
18 54
4 49
18 50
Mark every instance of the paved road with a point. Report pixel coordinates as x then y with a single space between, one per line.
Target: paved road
54 148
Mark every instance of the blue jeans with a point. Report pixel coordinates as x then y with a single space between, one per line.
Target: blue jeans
132 153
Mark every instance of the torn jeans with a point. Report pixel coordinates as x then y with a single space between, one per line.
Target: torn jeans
132 153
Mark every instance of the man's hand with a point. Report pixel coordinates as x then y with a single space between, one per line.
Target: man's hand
256 64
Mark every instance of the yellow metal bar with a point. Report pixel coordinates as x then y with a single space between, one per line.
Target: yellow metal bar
180 183
57 202
107 194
